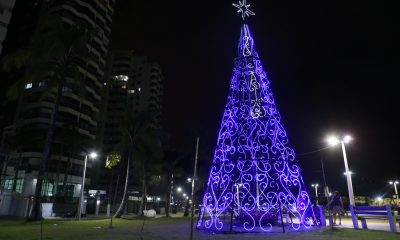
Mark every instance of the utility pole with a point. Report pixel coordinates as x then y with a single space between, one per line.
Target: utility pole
193 180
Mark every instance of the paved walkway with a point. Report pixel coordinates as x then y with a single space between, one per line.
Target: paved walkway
373 224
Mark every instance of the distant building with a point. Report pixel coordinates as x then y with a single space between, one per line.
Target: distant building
133 85
78 116
6 7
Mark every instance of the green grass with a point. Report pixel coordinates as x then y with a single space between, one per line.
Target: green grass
176 228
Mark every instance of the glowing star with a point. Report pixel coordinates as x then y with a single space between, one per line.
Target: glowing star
243 8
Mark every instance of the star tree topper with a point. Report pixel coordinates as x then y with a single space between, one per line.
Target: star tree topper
243 8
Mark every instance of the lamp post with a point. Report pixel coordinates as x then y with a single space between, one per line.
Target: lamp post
316 191
91 155
395 188
346 139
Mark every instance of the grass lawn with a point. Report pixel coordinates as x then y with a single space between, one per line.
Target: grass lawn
176 228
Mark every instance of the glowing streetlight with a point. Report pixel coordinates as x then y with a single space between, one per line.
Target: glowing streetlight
379 199
333 140
92 155
189 180
316 191
395 188
179 189
184 194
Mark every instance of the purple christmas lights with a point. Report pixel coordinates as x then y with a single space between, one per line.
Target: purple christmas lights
254 176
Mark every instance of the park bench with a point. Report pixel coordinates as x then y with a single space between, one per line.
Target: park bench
363 213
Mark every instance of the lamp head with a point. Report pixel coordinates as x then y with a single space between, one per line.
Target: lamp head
93 155
347 139
332 140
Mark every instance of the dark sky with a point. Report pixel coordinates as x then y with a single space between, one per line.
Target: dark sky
331 65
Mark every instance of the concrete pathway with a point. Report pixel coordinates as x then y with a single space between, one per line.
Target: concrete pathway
373 224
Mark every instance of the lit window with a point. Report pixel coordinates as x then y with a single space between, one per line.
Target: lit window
41 84
8 184
132 91
28 86
124 78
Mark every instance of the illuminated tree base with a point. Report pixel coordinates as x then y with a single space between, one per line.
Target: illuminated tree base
255 196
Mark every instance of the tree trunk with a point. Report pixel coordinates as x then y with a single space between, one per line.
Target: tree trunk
116 189
55 189
66 174
168 196
4 169
144 198
37 210
14 186
124 200
110 186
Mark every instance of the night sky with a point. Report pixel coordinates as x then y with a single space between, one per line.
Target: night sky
332 67
330 64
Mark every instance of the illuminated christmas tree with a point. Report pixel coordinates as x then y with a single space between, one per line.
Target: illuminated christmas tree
255 182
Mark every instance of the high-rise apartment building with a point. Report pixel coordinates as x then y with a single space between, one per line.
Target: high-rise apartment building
6 7
134 85
78 117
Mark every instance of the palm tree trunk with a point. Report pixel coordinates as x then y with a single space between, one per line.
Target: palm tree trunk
168 196
37 211
14 186
4 169
124 200
116 189
144 199
110 186
66 175
55 189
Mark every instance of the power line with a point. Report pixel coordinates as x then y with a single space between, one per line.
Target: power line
309 153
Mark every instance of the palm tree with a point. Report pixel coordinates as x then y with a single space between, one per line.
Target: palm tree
172 166
70 141
52 55
143 145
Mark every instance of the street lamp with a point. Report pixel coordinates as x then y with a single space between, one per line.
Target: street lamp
332 140
316 191
379 200
395 188
92 155
179 189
